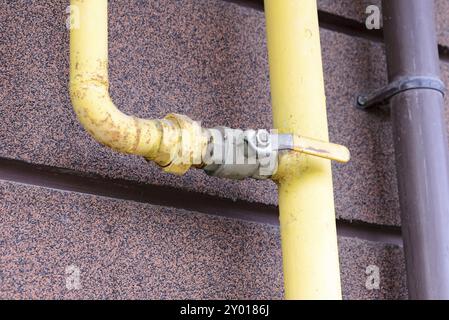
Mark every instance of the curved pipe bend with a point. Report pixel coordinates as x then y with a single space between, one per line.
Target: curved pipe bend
158 140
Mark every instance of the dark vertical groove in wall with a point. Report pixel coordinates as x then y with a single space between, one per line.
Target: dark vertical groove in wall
444 53
72 181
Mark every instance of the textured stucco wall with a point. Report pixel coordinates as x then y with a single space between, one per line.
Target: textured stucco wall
206 59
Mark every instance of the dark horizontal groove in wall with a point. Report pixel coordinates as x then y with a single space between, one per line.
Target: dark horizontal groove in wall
70 180
255 4
347 26
329 21
370 232
73 181
343 25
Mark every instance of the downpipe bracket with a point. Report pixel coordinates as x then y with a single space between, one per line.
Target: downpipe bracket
383 95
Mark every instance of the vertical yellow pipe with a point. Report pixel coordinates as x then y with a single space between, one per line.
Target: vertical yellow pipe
306 204
89 85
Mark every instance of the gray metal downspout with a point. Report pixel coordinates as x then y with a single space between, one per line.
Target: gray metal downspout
421 147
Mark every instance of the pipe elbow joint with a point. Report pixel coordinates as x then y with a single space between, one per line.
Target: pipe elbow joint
107 124
175 143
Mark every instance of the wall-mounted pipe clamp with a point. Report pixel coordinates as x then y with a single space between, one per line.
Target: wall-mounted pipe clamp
383 95
238 154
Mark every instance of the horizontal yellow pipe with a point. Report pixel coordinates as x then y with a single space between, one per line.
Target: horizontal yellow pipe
307 217
158 140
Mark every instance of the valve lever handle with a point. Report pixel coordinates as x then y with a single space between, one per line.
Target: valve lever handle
321 149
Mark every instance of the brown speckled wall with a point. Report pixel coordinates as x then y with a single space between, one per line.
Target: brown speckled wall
206 59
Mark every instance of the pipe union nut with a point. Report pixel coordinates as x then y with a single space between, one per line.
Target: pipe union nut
183 144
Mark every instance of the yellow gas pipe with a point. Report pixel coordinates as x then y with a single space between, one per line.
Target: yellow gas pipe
176 143
306 204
